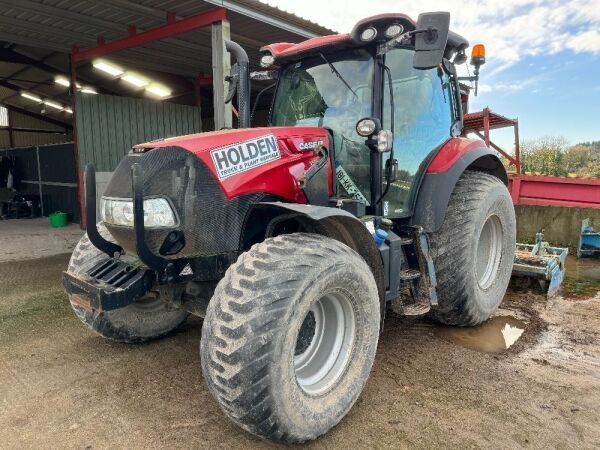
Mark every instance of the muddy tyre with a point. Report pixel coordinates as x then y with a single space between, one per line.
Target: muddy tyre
141 321
473 251
290 336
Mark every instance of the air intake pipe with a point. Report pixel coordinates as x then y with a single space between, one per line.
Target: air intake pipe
240 79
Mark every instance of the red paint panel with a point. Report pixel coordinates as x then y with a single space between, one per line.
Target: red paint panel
284 49
280 177
555 191
451 152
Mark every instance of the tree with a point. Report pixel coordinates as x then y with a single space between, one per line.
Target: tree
544 155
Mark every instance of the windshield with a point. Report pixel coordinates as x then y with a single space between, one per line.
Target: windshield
332 91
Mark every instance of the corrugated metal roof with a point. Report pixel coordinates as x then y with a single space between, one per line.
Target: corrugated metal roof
46 30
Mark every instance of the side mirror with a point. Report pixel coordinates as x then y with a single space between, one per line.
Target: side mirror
431 37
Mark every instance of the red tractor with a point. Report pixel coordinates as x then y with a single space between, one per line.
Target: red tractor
293 240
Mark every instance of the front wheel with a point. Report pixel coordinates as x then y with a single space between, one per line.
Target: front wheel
290 336
143 320
473 251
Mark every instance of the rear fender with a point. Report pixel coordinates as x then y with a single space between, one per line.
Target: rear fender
331 222
438 184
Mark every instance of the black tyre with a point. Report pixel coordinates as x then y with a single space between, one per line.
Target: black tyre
473 252
141 321
290 336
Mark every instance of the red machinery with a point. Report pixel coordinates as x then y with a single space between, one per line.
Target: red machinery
541 190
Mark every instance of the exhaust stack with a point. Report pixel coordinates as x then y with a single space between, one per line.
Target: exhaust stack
240 79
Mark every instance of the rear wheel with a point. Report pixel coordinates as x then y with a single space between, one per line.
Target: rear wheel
146 319
473 251
290 336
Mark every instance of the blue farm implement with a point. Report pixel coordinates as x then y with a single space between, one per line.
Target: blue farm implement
589 240
541 262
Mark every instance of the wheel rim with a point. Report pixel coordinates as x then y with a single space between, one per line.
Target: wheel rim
324 343
489 251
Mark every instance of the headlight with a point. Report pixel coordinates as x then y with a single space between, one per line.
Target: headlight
367 127
157 212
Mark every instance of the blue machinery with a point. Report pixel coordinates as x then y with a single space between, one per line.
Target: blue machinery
541 262
589 240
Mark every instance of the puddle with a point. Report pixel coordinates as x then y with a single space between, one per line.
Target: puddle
582 276
494 336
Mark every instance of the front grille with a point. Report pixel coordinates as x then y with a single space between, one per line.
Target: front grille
211 223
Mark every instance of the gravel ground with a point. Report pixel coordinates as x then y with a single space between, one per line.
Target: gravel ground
61 386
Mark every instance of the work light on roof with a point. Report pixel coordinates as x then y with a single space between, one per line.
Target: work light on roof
393 30
368 34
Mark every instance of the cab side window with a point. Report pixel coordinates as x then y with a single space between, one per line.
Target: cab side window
423 118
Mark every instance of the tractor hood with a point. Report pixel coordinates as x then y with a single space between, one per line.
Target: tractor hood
211 180
254 159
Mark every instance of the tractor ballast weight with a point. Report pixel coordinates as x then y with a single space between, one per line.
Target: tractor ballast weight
293 240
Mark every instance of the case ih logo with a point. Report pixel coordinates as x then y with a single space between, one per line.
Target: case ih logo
242 156
310 145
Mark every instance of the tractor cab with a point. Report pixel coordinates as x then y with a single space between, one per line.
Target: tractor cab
387 93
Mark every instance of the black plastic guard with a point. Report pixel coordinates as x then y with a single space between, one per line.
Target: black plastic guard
110 284
110 248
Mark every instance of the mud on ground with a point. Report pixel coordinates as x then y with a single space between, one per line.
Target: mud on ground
61 386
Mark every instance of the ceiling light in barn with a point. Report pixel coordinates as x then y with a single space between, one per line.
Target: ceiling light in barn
134 79
29 96
52 104
110 69
66 83
88 90
62 81
158 90
68 110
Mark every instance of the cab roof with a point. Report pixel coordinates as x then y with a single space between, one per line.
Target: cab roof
286 51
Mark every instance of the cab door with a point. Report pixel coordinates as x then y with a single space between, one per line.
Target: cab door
423 118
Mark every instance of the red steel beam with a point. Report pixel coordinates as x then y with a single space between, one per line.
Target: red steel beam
136 39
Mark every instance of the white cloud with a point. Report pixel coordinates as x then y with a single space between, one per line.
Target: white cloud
587 41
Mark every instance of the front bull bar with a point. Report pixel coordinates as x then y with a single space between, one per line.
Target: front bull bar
113 283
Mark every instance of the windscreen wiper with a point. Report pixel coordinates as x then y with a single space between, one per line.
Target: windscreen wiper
339 75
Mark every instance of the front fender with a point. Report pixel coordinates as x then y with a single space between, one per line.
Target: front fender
331 222
438 184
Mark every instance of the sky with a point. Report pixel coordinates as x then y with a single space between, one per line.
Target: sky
542 56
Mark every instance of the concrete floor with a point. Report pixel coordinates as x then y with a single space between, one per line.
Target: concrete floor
22 239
